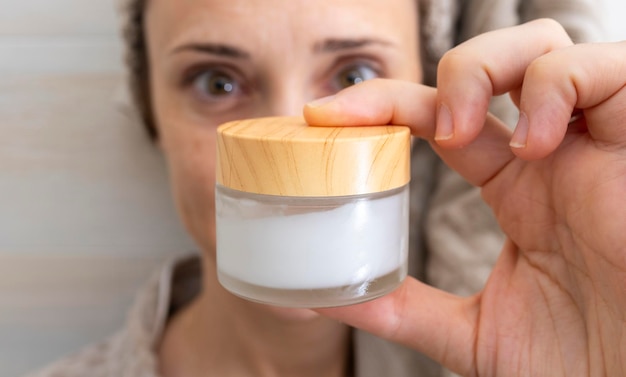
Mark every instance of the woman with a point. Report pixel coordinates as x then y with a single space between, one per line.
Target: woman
210 61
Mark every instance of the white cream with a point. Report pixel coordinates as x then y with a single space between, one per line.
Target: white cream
352 243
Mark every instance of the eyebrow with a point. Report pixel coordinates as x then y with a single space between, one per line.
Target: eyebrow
214 49
326 46
334 44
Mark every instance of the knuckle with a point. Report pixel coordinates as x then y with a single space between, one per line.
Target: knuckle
549 67
553 28
455 60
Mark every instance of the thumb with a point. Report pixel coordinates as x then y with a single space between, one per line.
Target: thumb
438 324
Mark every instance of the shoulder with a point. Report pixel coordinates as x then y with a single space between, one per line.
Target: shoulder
110 358
131 352
95 361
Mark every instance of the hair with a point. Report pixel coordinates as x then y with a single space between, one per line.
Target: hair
137 63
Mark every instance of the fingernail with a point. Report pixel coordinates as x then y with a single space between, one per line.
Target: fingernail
445 127
520 135
321 101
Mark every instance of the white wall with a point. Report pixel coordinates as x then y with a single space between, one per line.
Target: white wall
85 209
615 12
54 36
85 212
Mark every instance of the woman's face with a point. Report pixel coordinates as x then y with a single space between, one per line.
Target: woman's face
213 61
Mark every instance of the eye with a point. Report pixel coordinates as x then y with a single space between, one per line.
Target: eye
213 84
355 74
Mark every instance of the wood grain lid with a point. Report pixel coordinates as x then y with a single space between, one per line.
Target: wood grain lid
285 156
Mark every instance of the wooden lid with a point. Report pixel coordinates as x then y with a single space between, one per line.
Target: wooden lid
285 156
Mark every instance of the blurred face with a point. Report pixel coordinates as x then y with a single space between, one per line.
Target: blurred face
214 61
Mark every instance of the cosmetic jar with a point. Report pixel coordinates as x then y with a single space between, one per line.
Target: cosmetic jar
311 216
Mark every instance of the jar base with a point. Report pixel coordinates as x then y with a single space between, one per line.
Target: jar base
317 297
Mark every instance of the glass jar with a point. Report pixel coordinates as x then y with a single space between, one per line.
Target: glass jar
311 216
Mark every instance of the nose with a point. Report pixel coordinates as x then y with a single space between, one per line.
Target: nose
288 102
289 105
287 94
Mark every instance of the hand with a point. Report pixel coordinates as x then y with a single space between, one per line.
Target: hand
555 303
